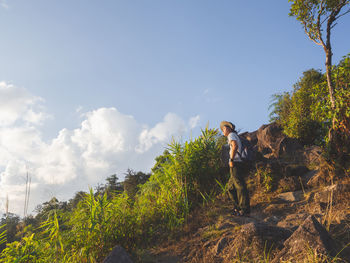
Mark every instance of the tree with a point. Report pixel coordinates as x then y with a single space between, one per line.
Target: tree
293 111
113 186
49 208
316 17
133 180
11 221
78 196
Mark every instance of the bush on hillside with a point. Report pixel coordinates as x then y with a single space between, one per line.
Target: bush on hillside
306 114
87 231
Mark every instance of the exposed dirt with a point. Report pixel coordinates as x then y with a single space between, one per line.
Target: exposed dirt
211 230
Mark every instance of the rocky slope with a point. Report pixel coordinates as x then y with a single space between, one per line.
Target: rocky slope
300 213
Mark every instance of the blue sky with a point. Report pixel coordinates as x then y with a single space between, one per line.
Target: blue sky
163 68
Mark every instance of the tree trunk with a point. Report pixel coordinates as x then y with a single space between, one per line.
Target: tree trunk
329 75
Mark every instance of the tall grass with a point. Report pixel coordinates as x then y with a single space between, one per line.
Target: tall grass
182 180
3 238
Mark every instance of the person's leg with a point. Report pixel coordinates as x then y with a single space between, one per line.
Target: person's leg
232 189
241 188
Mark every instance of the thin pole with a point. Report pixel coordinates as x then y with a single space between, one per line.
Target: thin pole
25 198
30 180
7 206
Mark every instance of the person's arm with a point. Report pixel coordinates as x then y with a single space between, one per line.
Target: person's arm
233 151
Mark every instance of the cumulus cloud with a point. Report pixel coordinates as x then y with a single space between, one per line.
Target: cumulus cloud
106 142
162 132
17 104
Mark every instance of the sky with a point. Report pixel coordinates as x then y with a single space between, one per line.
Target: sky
91 88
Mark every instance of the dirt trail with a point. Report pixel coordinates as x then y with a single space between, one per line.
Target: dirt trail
208 226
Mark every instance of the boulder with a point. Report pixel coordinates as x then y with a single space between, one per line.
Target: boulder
288 147
309 237
272 143
288 184
309 178
291 196
324 196
295 170
292 221
268 137
251 137
118 255
312 155
255 238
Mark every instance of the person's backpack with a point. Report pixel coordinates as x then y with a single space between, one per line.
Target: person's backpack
247 151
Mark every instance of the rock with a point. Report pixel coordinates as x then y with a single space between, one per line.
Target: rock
268 137
288 184
251 137
292 196
310 236
316 179
253 239
272 143
308 177
272 220
325 195
277 209
118 255
288 147
313 155
295 170
292 221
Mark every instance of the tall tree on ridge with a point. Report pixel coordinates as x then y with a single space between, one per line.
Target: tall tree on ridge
317 17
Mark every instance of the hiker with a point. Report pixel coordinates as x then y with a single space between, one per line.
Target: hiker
236 185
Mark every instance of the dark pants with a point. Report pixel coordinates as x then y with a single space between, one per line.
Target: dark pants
237 187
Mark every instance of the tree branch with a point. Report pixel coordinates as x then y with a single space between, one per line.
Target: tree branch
326 18
310 37
318 28
346 12
334 25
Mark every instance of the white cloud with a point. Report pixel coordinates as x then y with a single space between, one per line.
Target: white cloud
171 125
17 104
106 142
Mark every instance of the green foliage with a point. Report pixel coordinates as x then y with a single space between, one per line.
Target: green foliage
265 178
2 235
313 13
87 227
10 222
52 229
49 208
182 176
27 250
306 113
293 111
133 180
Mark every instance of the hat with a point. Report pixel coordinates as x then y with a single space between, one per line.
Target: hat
228 124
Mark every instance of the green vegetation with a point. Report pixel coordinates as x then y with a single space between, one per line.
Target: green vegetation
318 17
149 207
306 113
265 178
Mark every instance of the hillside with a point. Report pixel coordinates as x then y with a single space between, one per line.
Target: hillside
298 213
300 210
